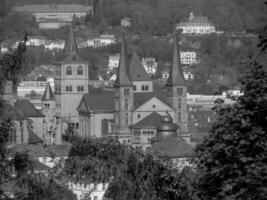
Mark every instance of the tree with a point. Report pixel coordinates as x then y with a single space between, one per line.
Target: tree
231 162
131 174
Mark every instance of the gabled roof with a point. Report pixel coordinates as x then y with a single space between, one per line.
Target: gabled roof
103 102
48 93
12 113
33 138
137 70
26 107
70 54
172 148
151 121
123 79
176 77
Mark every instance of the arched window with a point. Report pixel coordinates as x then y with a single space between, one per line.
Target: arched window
126 104
78 88
80 70
69 70
179 117
82 88
179 103
104 126
68 88
146 87
126 119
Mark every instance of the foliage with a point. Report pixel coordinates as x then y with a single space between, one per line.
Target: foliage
131 174
232 160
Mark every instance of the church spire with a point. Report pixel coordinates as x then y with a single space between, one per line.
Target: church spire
176 77
48 93
122 75
70 49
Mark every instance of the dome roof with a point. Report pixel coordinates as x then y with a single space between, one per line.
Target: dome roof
167 124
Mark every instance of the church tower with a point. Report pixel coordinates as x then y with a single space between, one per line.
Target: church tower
176 91
49 110
71 82
123 98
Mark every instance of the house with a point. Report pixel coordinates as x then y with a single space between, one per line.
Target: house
126 22
113 61
54 45
117 113
104 40
188 57
35 41
188 73
51 16
150 65
196 25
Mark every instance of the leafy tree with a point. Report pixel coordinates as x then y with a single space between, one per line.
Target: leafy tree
130 173
232 160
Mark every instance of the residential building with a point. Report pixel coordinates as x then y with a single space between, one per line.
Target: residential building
150 65
126 22
113 61
36 41
187 72
54 45
54 15
196 25
188 57
37 86
104 40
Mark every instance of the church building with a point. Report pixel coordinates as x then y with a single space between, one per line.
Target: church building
133 110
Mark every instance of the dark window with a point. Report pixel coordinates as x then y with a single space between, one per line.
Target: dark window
126 104
104 126
69 70
134 87
143 87
180 91
82 88
126 119
146 87
78 88
179 117
80 70
126 92
179 103
138 116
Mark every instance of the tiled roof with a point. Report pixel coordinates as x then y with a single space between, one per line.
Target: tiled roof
48 93
172 148
33 138
12 113
41 151
151 121
103 102
27 108
176 76
137 70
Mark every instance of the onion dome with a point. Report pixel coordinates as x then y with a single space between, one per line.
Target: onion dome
167 129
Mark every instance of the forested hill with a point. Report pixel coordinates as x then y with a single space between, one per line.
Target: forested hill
158 16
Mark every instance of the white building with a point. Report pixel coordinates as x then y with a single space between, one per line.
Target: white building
196 25
52 16
86 190
150 65
26 87
104 40
113 61
54 44
35 41
188 57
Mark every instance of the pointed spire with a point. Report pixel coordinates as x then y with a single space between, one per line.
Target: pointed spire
137 70
123 78
48 93
176 76
70 50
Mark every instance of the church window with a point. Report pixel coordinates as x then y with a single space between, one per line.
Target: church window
143 87
180 91
69 70
78 88
80 70
134 87
126 119
146 87
126 104
68 88
168 91
126 92
138 116
104 127
82 88
179 117
179 103
154 106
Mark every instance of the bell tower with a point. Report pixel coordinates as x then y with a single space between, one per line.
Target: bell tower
123 98
176 90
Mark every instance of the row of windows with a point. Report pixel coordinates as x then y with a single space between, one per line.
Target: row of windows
143 88
68 88
79 70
